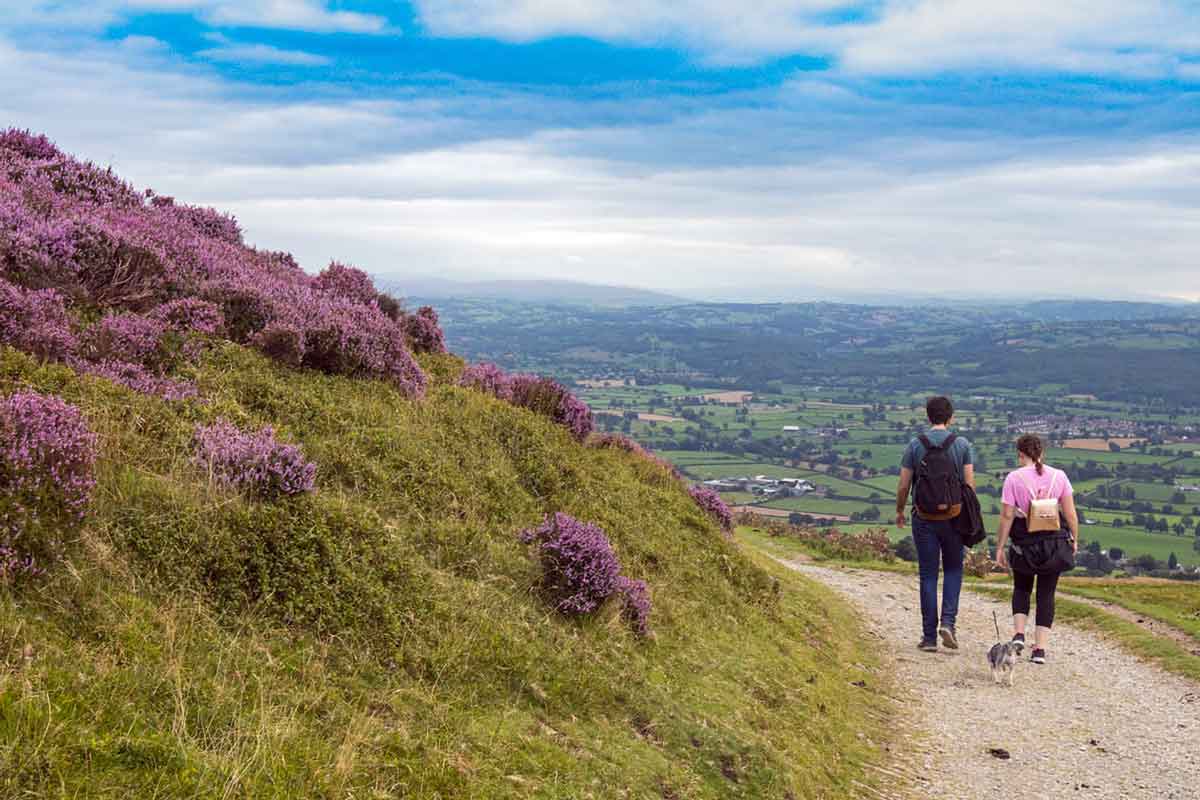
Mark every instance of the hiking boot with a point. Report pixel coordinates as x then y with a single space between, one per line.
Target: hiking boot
949 637
1038 656
928 645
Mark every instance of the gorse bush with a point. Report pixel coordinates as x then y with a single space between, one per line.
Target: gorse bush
145 261
47 458
712 504
580 570
254 462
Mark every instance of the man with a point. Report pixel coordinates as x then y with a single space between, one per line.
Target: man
941 462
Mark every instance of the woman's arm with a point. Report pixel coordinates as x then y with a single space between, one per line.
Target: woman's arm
1007 513
1067 501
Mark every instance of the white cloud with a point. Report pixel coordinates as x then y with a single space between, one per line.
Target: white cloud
252 53
972 213
305 15
1143 38
1079 36
721 30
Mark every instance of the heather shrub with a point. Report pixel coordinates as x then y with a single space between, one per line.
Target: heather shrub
423 332
115 271
345 338
711 504
978 563
635 604
127 337
347 283
208 222
618 441
551 399
138 378
35 252
254 462
489 379
389 306
872 545
245 306
47 456
28 144
282 341
190 315
35 322
579 568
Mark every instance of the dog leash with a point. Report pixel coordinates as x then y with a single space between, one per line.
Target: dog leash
996 622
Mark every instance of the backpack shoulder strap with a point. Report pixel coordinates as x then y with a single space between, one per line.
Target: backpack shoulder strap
949 441
924 440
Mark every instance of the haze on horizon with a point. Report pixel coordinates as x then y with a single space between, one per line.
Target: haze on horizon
911 146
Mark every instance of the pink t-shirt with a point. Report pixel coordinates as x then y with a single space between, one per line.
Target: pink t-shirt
1052 483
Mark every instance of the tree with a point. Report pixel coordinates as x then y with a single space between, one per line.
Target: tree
1114 447
1116 553
1172 562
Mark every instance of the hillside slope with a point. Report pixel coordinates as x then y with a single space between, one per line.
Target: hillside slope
383 635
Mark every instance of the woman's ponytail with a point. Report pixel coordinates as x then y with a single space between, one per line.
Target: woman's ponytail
1031 446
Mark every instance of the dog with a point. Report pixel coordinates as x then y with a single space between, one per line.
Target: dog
1002 658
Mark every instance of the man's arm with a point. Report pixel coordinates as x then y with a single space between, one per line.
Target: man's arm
906 476
969 475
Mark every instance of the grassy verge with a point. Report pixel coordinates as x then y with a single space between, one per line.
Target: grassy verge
784 547
1176 604
383 637
1164 652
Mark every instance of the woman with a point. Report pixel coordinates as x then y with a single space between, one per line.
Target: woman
1036 557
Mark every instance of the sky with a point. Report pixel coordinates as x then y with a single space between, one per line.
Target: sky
796 150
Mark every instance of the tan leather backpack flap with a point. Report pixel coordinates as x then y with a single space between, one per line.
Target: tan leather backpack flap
1043 512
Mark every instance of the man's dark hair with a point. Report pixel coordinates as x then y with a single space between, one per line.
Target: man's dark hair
939 410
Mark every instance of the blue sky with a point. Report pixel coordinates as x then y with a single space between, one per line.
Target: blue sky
803 148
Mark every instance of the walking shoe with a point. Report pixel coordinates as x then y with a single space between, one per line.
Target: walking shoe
928 645
1019 638
949 637
1038 656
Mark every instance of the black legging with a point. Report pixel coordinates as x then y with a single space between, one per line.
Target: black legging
1023 587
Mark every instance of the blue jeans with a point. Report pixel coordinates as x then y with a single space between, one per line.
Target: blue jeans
938 540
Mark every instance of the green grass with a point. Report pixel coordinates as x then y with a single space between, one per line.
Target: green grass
1164 652
1174 602
383 636
785 548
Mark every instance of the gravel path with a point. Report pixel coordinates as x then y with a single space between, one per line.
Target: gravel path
1092 723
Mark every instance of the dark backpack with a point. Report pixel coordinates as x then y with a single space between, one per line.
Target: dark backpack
939 488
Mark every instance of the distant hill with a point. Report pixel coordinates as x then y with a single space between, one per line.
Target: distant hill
531 291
